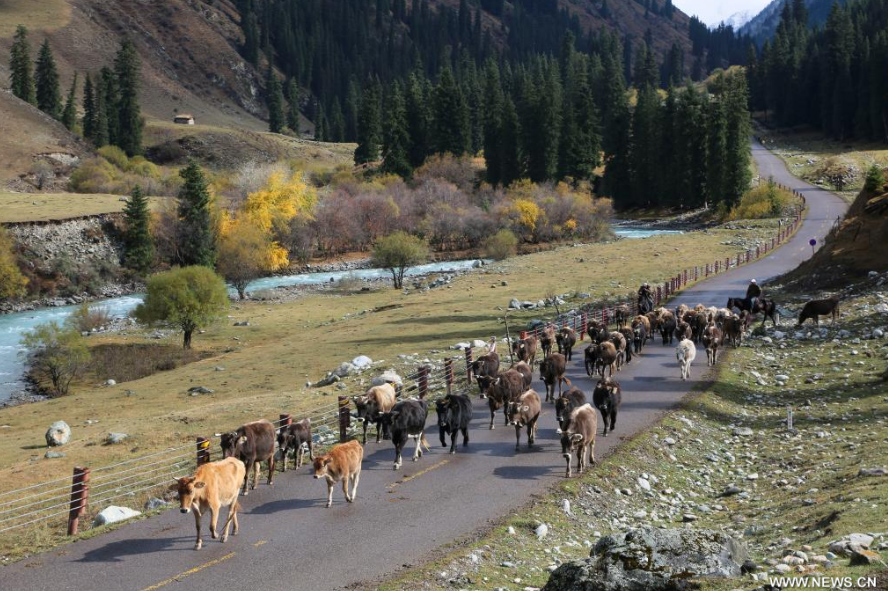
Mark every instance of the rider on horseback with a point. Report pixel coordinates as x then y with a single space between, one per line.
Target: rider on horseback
753 293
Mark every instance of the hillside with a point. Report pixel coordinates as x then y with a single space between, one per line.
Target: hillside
763 25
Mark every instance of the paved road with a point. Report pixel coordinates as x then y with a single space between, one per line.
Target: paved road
290 541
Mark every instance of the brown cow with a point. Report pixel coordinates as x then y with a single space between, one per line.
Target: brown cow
525 371
484 370
376 400
712 338
644 321
213 486
620 344
295 437
621 315
341 463
566 339
817 308
606 357
547 339
579 436
507 386
733 330
552 372
683 331
252 444
667 327
524 412
526 349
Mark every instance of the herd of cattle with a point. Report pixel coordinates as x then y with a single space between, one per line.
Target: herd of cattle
219 484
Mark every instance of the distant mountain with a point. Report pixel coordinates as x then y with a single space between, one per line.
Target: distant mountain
763 26
737 20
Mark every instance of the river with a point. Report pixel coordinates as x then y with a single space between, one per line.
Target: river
13 326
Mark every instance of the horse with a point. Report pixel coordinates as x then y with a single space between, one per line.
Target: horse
766 307
645 303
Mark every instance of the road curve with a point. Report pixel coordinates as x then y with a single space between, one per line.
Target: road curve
289 540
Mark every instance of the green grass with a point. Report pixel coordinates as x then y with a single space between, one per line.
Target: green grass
43 207
842 430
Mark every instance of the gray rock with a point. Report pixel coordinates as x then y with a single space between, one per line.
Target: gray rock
542 531
345 369
362 361
244 323
114 514
155 503
52 455
861 557
59 433
651 560
115 438
872 472
195 390
110 382
514 304
743 432
387 377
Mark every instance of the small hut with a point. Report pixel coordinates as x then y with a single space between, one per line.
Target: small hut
184 119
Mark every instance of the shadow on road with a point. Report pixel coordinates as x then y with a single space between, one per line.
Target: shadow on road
116 551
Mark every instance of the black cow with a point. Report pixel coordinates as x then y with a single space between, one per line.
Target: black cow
591 358
454 414
566 339
407 419
606 398
573 398
295 437
484 369
251 443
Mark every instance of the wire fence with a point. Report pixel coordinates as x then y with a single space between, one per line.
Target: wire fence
65 500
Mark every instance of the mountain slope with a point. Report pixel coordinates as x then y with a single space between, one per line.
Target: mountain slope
763 25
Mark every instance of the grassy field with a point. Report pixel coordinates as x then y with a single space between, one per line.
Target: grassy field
42 207
227 147
42 15
798 489
266 365
807 154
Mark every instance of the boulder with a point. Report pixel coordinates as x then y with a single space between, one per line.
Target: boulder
861 557
387 377
345 369
514 304
478 344
872 472
110 382
115 438
743 432
114 514
650 559
155 503
58 434
53 455
362 362
195 390
460 346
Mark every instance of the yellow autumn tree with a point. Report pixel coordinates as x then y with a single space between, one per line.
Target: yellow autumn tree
526 214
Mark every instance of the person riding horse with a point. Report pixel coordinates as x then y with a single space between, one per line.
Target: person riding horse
753 293
645 299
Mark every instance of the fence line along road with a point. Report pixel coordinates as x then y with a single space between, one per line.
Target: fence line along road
60 501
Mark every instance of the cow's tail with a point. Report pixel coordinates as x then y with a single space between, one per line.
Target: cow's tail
425 442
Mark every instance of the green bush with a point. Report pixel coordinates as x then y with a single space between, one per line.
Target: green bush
58 354
397 252
875 180
115 156
765 201
501 245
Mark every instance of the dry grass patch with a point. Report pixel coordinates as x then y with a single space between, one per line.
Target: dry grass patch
36 15
43 207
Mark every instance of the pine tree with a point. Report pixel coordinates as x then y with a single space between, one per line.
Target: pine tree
195 232
110 98
645 149
88 123
20 77
737 174
616 140
369 125
716 153
49 98
127 67
511 167
579 153
493 117
337 123
251 38
69 113
293 106
138 244
451 128
418 118
396 140
274 100
101 133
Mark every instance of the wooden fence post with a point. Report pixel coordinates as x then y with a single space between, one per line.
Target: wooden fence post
469 362
448 374
422 382
203 450
79 498
344 418
285 420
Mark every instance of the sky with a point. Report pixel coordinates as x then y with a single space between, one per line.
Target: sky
713 12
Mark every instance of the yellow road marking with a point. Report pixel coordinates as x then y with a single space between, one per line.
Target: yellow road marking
420 473
260 543
190 572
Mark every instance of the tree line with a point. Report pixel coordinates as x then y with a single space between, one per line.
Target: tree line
110 103
832 78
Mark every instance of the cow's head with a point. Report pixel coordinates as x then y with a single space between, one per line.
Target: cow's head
561 414
446 408
387 419
231 442
188 490
367 408
320 466
517 411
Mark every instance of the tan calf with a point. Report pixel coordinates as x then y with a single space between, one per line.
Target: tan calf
213 486
342 463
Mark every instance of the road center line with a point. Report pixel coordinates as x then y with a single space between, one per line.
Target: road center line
420 473
190 572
